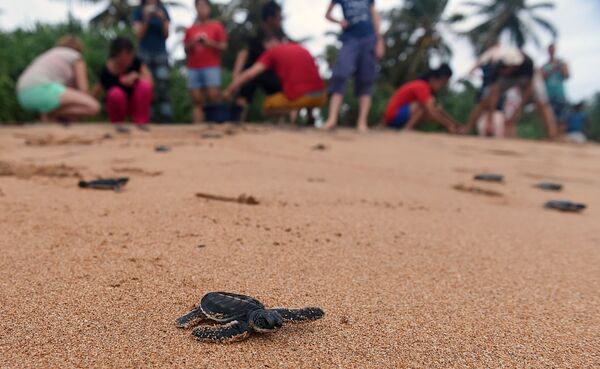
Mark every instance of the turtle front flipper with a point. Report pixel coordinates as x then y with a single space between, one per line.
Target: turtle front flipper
191 319
300 315
230 332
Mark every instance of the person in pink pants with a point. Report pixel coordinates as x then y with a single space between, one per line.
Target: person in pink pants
119 104
127 84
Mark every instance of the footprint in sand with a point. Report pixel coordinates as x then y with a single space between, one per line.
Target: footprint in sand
477 190
137 171
30 170
50 140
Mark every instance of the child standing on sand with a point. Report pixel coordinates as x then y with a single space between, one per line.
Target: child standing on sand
358 57
204 41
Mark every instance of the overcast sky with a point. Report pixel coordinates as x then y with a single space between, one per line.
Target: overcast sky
576 20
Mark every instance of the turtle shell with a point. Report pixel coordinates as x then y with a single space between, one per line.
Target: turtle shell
225 307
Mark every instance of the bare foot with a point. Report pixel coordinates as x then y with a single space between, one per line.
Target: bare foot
329 126
362 127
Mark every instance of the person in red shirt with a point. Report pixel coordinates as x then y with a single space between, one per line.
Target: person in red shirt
414 102
296 69
204 41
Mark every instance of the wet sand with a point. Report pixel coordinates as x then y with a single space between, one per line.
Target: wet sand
411 272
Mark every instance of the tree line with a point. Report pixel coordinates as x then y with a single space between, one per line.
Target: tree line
415 34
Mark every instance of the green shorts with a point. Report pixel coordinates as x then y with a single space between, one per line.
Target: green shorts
41 98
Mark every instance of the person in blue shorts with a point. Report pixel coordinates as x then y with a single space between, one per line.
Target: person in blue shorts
414 102
359 56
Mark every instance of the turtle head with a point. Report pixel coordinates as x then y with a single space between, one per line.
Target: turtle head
265 320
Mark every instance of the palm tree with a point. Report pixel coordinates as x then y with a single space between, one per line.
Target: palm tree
414 37
115 13
517 18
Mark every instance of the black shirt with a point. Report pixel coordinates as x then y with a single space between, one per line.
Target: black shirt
109 80
525 70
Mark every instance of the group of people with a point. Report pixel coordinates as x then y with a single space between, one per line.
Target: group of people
56 85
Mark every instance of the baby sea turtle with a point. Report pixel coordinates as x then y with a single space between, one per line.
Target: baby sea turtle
122 129
566 206
549 186
114 184
489 177
234 317
162 148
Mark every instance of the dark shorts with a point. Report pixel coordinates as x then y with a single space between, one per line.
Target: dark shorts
267 81
401 118
559 107
355 58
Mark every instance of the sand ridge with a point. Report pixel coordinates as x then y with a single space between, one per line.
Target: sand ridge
410 272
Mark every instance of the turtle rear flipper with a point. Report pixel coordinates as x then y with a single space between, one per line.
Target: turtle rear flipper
230 332
300 315
191 319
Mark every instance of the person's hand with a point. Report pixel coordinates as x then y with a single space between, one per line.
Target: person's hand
202 39
228 92
344 24
130 79
161 15
148 12
380 48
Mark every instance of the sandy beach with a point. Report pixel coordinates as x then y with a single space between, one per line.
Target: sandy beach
414 263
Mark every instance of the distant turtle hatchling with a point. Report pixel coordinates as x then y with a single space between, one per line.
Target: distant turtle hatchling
115 184
549 186
565 206
489 177
233 317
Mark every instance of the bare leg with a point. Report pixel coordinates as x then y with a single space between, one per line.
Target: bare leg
335 104
76 104
71 111
416 115
548 118
197 106
244 104
363 113
294 116
474 117
213 94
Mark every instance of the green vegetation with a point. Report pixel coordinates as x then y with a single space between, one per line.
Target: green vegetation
415 35
518 18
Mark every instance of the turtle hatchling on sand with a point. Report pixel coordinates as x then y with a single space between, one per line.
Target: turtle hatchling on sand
230 317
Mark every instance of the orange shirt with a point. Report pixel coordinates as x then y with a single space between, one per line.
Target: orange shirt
201 56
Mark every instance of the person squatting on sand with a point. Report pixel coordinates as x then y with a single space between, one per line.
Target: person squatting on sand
267 81
204 42
576 120
55 84
362 48
127 84
414 102
296 69
514 69
151 24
